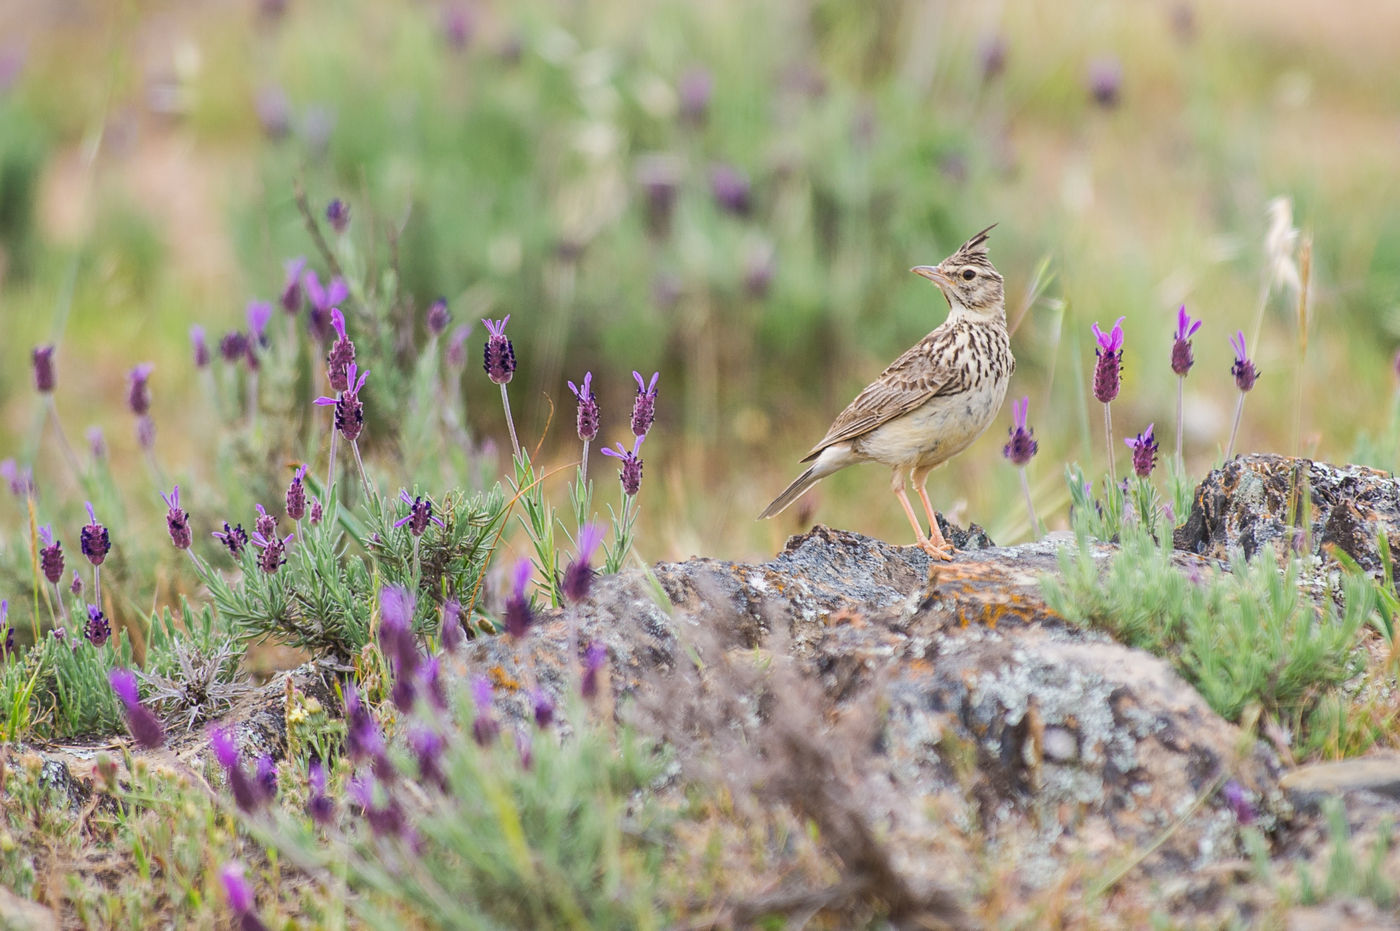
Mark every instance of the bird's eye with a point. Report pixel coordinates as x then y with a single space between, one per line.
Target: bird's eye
968 274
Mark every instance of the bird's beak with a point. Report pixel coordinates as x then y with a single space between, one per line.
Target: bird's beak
932 273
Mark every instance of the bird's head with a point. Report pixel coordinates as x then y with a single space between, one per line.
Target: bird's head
968 280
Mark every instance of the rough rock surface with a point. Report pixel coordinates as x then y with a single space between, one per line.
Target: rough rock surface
1262 500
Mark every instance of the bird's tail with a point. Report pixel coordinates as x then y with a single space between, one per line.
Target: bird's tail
793 492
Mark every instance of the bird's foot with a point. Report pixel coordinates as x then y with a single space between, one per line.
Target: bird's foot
944 552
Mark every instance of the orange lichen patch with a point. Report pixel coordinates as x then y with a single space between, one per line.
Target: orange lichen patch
984 592
846 616
502 679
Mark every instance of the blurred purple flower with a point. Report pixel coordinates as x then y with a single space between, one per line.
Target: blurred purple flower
144 726
1237 798
451 633
266 776
1105 81
319 805
458 25
291 296
519 616
543 707
438 317
177 520
349 409
315 512
76 586
7 640
233 346
338 215
97 443
578 576
139 396
200 346
730 188
593 659
240 897
659 177
420 514
235 538
247 795
20 480
322 301
991 55
695 88
1022 445
44 378
145 432
427 746
485 728
274 112
259 313
265 524
457 346
296 494
274 551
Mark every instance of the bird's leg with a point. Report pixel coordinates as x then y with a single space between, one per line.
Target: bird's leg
925 544
920 479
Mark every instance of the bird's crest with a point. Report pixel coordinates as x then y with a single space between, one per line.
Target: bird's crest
974 248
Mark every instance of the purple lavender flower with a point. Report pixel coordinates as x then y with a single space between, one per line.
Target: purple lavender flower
1144 448
1243 369
1238 800
200 346
235 538
499 355
1022 445
259 315
397 642
274 551
296 495
266 777
438 317
21 481
97 630
578 576
94 539
451 631
644 407
363 739
991 54
430 678
587 408
458 25
76 586
631 466
660 178
266 524
593 659
695 88
730 188
420 514
233 346
427 746
485 729
145 432
97 443
519 616
1105 81
525 746
177 521
1110 364
145 728
338 215
246 793
315 511
240 897
322 299
543 707
349 409
457 346
44 378
50 555
7 641
319 805
1182 359
291 296
341 355
274 112
139 396
385 820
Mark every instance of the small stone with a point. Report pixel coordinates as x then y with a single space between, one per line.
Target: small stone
1308 785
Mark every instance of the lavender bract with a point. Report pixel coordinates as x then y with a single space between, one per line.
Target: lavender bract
1244 371
1182 358
97 630
265 524
235 538
341 355
319 805
630 466
1144 447
274 551
1110 361
420 514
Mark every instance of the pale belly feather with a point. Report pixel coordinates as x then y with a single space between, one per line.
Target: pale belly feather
932 434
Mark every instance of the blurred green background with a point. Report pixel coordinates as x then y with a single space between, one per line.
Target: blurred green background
730 193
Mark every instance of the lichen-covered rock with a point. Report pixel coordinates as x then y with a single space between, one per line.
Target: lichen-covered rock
1291 504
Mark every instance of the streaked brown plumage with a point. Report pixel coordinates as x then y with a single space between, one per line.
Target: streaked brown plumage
934 400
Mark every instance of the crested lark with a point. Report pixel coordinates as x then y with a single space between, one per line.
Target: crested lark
934 400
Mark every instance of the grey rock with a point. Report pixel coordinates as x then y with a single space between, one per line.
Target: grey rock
1308 785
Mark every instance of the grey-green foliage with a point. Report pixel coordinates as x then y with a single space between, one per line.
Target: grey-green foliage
1347 875
323 598
1243 636
59 688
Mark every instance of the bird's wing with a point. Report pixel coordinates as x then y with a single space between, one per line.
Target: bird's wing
909 381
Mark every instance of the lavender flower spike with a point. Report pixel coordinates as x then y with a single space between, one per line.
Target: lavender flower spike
240 897
498 358
235 538
296 495
593 659
259 314
1245 375
578 576
51 556
341 355
44 379
291 296
200 346
338 214
94 539
144 726
420 514
519 616
485 729
438 317
644 407
1106 378
139 397
177 520
587 408
274 551
1022 445
97 630
631 466
1182 359
349 409
1144 447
